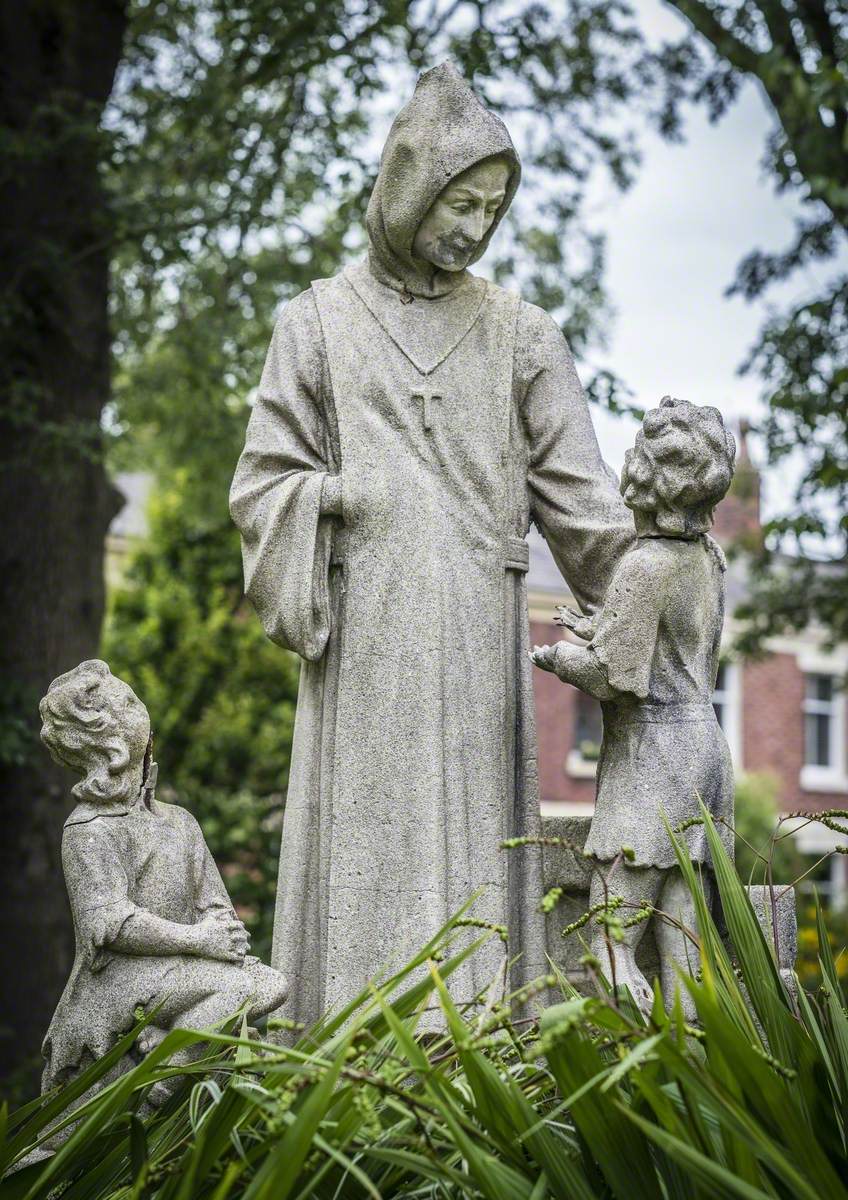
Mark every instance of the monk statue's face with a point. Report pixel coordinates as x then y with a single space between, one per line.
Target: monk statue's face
461 216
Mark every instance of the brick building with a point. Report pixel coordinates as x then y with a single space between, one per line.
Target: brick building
785 714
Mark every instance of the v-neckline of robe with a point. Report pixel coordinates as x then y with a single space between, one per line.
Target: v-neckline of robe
435 332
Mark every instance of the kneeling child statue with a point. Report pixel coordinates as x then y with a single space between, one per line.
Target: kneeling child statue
153 923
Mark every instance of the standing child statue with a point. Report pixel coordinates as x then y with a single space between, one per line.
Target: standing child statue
154 925
651 660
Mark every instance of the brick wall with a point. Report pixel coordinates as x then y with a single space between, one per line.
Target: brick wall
772 725
555 704
737 517
772 729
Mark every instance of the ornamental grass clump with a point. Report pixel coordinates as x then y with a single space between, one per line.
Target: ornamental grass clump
592 1100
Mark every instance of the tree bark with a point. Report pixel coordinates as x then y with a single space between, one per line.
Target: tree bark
59 59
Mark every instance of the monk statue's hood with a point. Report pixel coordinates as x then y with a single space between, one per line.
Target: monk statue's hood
442 131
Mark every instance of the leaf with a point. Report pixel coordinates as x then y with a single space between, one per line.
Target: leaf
640 1051
621 1155
350 1167
496 1179
90 1118
45 1111
712 1174
278 1174
138 1148
828 966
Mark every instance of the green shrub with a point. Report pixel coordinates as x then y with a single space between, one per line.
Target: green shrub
221 696
757 811
765 850
593 1101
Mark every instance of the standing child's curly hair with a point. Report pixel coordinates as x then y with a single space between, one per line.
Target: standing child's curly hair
680 467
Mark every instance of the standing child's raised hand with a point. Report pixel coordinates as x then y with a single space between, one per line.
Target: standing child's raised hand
544 657
581 626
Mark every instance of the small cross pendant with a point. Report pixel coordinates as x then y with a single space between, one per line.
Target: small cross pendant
426 399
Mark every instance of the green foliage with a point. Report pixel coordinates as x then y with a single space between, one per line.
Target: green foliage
765 853
796 51
220 695
755 822
593 1101
807 964
18 741
244 145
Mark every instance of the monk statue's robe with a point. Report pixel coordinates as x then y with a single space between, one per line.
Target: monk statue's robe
409 425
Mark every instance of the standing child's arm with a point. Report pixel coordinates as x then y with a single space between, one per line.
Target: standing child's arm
576 665
617 662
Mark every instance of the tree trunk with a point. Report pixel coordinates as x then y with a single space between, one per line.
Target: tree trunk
59 59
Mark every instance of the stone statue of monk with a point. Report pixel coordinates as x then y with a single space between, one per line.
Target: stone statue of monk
411 421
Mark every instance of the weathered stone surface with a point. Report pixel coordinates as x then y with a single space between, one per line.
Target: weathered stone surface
410 419
566 869
775 909
570 870
560 865
154 925
651 659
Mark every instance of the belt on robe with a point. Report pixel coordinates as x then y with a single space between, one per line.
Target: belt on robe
516 552
650 713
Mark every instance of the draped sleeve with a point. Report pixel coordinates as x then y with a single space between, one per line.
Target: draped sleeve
210 891
98 887
574 497
275 499
626 636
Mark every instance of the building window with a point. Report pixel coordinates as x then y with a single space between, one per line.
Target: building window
823 714
819 721
726 702
588 727
588 730
830 877
827 878
721 698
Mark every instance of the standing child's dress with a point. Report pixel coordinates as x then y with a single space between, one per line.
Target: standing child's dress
657 641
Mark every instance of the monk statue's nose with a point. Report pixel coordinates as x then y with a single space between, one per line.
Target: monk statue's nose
478 227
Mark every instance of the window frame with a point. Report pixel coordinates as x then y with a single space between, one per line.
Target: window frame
577 765
815 706
730 699
815 777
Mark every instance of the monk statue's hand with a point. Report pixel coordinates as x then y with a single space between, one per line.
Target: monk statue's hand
544 657
366 496
221 935
583 627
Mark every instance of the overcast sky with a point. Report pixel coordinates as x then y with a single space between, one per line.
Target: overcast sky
673 243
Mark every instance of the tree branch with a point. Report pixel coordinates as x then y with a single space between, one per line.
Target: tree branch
780 30
701 16
816 156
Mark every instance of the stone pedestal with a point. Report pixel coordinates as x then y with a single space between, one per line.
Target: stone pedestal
565 868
